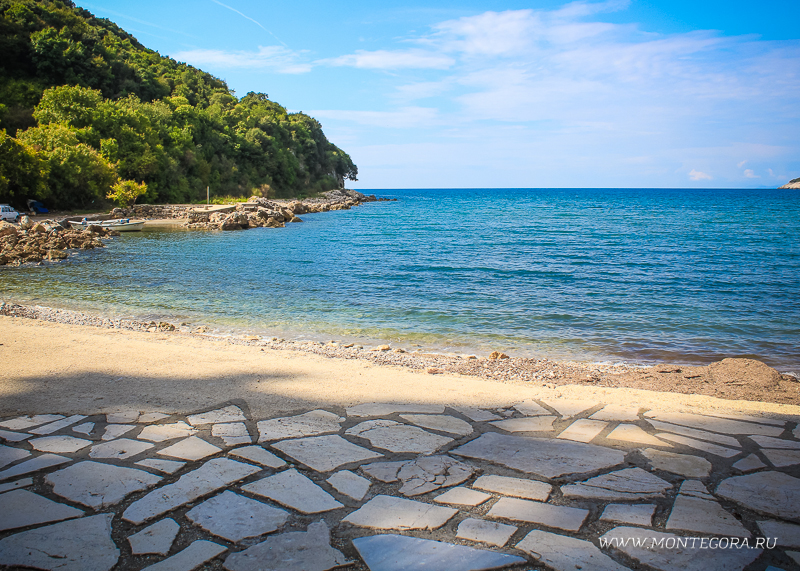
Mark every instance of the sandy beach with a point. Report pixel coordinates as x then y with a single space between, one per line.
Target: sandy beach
70 367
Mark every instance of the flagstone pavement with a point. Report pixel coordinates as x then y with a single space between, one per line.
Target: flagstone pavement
542 484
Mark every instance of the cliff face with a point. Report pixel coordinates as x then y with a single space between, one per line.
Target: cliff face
794 183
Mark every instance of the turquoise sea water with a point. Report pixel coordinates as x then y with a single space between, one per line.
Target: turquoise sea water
637 275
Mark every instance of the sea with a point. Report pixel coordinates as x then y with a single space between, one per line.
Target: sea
635 276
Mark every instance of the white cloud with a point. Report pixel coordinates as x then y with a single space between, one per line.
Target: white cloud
397 59
740 164
273 58
699 175
750 174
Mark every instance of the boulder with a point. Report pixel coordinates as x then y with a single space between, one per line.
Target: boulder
498 355
8 229
56 255
25 223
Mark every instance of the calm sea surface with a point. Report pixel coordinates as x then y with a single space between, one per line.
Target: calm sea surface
637 275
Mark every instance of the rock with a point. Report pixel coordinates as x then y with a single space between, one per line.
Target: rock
440 422
388 512
21 508
773 493
9 455
55 255
632 433
462 497
99 485
162 432
561 517
700 445
636 514
294 490
234 517
399 552
59 444
164 466
258 455
25 223
700 513
749 463
381 348
191 448
787 534
396 437
8 229
82 545
310 423
435 371
230 413
294 551
325 453
57 425
421 475
517 487
490 532
198 553
528 424
545 457
583 430
564 553
121 449
682 464
498 355
350 484
157 538
627 484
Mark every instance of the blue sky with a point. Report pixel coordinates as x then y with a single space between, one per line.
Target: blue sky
665 93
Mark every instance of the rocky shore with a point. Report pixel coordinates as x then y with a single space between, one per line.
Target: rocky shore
33 242
733 379
794 183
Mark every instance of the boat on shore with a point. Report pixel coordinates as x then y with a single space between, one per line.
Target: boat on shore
120 225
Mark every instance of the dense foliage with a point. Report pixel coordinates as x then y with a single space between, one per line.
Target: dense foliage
83 105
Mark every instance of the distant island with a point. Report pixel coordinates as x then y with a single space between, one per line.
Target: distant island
84 108
794 183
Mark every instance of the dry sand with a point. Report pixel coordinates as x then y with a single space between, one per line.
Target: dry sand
54 367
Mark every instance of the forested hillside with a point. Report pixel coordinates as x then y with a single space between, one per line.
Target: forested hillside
84 105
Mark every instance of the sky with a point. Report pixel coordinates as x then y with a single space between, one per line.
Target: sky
491 93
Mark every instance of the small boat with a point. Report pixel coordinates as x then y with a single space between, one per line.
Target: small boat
120 225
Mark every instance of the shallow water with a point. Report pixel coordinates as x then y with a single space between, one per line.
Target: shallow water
636 275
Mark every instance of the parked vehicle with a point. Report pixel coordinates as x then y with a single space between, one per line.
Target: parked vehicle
37 207
8 213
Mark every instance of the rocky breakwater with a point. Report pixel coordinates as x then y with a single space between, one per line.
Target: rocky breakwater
157 211
33 242
260 212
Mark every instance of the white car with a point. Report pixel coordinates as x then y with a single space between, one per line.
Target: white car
8 213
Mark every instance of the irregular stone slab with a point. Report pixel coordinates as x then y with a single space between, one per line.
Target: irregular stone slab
122 416
211 476
782 458
385 409
120 449
787 534
234 517
683 464
258 455
440 422
33 465
192 448
396 437
230 413
542 456
749 463
694 433
491 532
294 490
583 430
462 497
325 453
527 424
632 433
294 551
85 428
198 553
714 449
769 442
23 483
98 485
794 555
81 545
148 417
59 444
564 553
746 418
517 487
389 512
696 489
165 466
615 412
312 423
561 517
773 493
569 407
477 414
162 432
9 436
402 553
636 514
21 508
667 552
232 433
9 455
715 424
57 425
157 538
26 422
691 513
532 408
422 475
627 484
350 484
116 430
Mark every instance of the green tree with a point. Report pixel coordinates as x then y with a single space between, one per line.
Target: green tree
125 192
22 174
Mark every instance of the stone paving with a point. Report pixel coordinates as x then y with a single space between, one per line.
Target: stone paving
541 484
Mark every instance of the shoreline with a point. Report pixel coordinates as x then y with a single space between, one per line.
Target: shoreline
730 379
